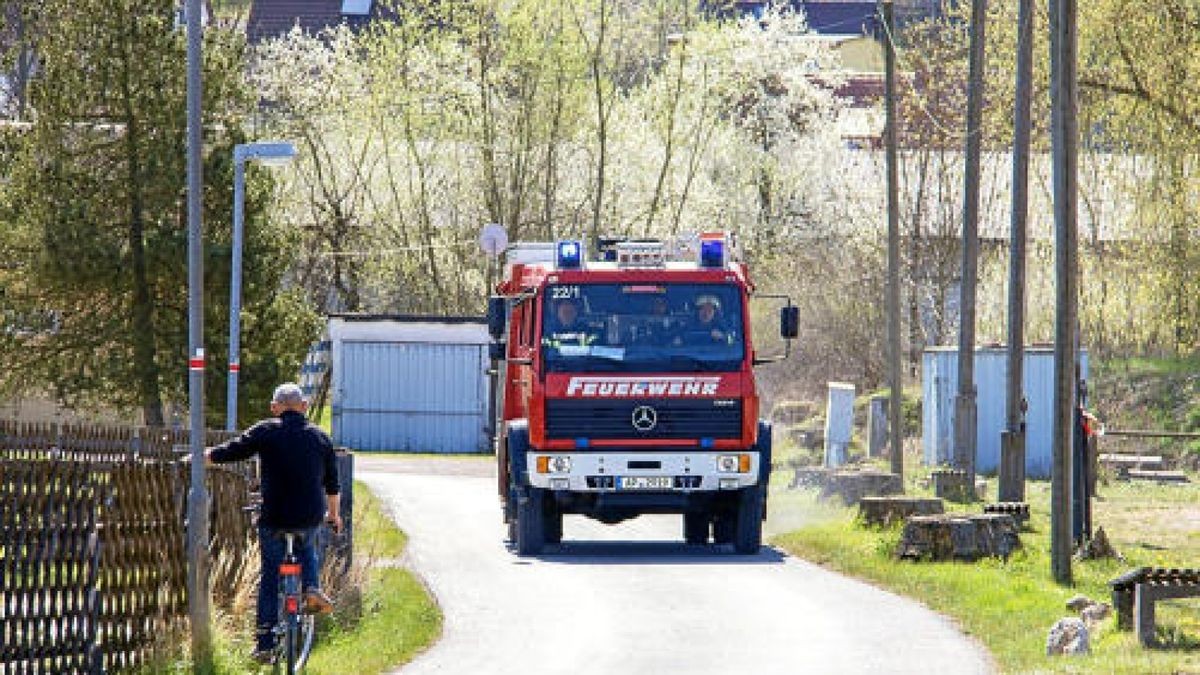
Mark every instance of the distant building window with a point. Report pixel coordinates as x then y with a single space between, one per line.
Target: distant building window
356 7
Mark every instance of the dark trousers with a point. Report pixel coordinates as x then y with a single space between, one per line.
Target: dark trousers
273 548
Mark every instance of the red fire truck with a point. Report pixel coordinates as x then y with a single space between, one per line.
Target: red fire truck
626 387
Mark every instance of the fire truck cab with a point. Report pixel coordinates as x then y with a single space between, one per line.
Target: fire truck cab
626 386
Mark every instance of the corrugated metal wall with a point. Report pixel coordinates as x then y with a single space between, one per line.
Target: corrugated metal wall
939 382
412 397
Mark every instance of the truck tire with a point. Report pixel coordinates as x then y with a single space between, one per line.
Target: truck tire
531 522
553 522
747 536
764 457
695 528
512 471
722 526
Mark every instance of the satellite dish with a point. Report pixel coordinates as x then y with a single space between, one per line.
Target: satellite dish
493 239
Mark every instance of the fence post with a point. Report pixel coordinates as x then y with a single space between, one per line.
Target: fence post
344 546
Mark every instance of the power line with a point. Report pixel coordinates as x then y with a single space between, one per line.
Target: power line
891 38
396 251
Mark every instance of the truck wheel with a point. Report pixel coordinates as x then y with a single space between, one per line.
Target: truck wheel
747 538
553 522
695 528
531 522
722 528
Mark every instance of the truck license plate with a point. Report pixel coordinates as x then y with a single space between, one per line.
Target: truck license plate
645 483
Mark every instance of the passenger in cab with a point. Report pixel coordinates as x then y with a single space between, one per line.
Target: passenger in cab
708 325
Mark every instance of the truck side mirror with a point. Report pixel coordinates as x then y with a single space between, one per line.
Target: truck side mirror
789 322
497 316
496 350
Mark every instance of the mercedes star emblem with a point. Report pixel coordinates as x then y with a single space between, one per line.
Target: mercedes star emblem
645 418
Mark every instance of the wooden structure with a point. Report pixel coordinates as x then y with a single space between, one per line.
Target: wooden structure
92 563
1135 592
1018 510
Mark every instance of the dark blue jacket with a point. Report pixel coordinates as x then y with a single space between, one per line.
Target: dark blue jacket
296 464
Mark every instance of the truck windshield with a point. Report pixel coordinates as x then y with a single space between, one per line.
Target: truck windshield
643 327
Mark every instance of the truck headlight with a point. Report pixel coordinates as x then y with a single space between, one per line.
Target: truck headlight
554 464
733 463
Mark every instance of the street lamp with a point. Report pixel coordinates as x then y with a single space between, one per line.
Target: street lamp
270 153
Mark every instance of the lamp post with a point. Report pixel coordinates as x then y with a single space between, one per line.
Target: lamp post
270 153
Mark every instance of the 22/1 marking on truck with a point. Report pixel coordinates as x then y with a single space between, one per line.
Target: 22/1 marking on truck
564 292
663 385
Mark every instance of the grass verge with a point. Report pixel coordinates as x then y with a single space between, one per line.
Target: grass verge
399 618
1008 605
383 625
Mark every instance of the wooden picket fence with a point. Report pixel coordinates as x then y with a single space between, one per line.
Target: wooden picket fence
92 533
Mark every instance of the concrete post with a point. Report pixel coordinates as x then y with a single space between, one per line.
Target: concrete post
839 423
877 425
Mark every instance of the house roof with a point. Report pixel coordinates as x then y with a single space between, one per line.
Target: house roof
274 18
846 17
833 17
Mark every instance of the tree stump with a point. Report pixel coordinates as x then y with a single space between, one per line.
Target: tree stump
958 537
852 486
883 511
813 477
951 485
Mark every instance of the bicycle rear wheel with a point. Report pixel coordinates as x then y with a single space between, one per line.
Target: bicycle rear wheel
302 640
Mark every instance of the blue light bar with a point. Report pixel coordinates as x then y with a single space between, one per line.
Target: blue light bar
570 254
707 443
582 442
712 253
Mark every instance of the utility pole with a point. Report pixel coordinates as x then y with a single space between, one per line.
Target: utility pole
1012 441
1064 130
199 609
965 417
896 436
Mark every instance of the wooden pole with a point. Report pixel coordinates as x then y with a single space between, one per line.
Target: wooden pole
1064 126
1012 445
896 435
965 410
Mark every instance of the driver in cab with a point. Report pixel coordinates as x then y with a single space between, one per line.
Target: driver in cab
708 326
565 327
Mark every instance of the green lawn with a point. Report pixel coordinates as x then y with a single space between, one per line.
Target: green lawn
400 618
1010 605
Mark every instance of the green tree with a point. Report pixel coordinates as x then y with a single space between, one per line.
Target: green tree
96 216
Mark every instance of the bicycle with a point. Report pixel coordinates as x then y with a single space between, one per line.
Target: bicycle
295 630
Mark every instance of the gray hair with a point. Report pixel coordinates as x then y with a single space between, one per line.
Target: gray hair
288 394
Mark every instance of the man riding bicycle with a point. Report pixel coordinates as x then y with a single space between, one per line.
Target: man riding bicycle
300 488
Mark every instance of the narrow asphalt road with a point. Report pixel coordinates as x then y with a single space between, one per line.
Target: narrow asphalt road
634 599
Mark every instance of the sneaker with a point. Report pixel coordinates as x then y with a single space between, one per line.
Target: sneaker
316 602
265 657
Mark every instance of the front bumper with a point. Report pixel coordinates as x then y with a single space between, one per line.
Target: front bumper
603 471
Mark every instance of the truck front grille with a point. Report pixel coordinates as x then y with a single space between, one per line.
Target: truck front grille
673 419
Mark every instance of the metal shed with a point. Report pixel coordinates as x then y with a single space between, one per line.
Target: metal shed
410 383
939 384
